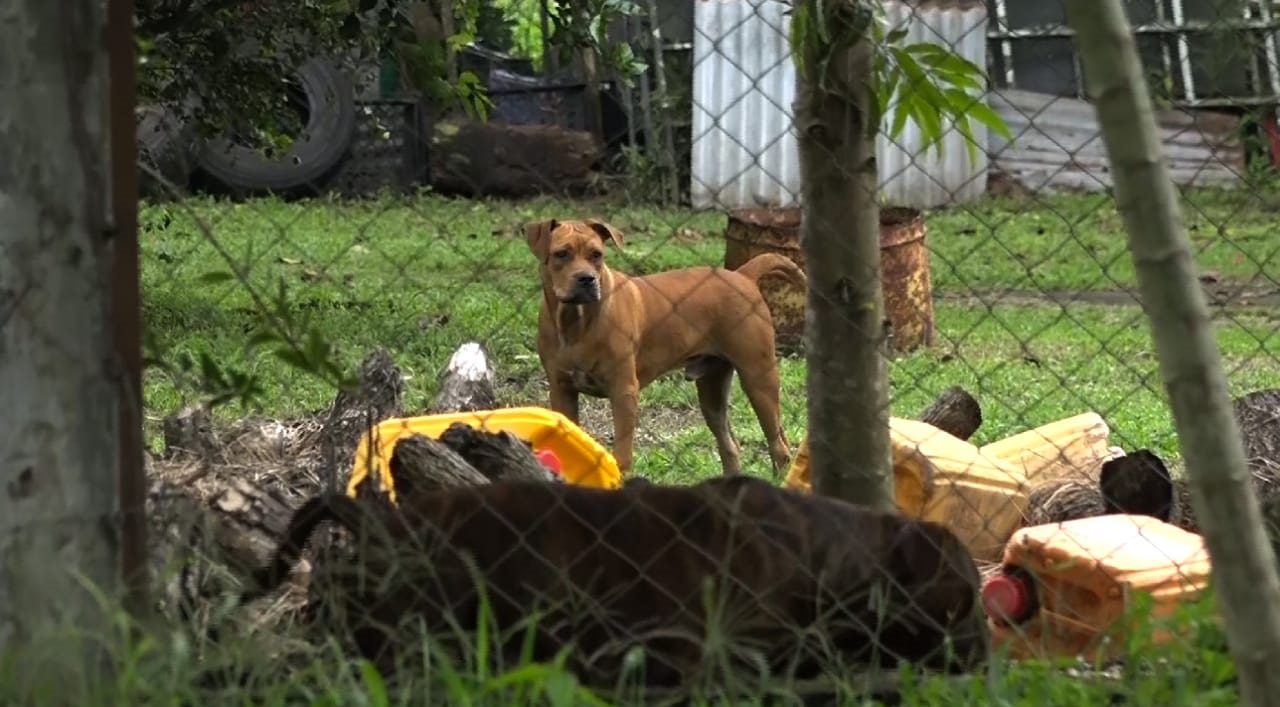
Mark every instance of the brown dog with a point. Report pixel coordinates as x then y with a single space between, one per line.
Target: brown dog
608 335
801 584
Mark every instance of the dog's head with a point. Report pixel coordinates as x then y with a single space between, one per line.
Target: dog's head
572 256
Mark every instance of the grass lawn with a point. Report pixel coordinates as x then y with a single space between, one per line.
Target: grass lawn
422 275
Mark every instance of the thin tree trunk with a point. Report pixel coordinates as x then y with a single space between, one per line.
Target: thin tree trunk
448 23
667 161
591 77
840 236
1222 495
126 302
550 62
59 424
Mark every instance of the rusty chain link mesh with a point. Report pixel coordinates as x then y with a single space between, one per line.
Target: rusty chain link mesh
1024 384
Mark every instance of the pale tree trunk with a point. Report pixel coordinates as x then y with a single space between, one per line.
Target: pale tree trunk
840 237
1222 494
61 390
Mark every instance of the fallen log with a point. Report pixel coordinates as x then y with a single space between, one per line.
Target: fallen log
496 455
955 412
420 463
473 159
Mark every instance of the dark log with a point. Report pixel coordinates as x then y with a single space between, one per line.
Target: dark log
496 455
475 159
1062 500
380 396
955 412
205 534
420 463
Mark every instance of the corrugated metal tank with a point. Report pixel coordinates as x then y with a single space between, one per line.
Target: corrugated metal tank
744 149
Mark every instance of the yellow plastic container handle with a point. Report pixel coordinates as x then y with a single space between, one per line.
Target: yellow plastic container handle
583 460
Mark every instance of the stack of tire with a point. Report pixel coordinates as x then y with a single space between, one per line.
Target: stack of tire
172 157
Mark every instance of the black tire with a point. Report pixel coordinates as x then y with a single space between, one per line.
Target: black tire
166 151
314 155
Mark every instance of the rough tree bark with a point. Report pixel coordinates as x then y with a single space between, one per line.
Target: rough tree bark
840 235
1222 495
59 520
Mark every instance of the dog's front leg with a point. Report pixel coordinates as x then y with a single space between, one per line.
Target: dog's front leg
624 401
564 397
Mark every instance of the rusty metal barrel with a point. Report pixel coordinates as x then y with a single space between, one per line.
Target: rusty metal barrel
904 268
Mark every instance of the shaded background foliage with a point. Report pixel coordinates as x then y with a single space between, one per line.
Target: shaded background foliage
224 64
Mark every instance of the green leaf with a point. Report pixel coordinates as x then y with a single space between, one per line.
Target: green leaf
929 119
896 36
977 109
983 113
958 101
962 124
919 82
375 688
819 23
210 372
901 112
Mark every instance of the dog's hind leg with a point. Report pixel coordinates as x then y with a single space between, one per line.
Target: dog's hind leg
715 380
761 384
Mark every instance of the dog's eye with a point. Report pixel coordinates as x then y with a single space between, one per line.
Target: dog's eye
561 254
596 254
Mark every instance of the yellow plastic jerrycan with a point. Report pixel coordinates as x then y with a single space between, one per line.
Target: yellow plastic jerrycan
582 459
1073 447
978 493
1064 587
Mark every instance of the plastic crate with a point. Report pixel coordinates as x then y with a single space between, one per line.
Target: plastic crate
389 151
526 100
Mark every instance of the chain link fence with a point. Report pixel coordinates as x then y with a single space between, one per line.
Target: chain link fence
511 347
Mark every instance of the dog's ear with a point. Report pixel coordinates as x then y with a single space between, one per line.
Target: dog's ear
607 232
538 234
1137 483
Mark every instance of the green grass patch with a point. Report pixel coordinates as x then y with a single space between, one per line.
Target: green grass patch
421 276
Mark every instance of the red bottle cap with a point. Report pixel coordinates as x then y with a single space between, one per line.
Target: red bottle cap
1006 598
549 460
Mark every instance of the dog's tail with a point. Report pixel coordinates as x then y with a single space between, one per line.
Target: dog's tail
337 507
771 263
